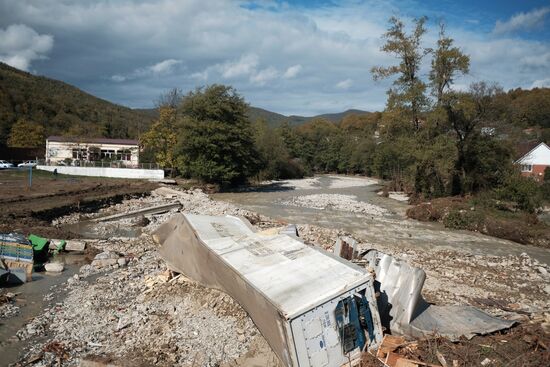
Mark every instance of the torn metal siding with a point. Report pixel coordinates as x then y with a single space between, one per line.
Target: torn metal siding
285 286
405 312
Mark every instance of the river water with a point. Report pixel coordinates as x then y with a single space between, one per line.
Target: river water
30 299
392 229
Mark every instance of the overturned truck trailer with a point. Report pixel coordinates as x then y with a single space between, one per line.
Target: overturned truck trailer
313 308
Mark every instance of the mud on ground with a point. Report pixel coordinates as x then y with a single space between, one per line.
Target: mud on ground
27 209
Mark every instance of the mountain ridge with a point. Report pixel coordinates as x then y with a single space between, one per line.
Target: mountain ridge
63 109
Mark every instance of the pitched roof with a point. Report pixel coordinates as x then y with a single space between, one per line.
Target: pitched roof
72 139
538 155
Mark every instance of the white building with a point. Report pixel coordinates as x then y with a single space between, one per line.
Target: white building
91 151
535 162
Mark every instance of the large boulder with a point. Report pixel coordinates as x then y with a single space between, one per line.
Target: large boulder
105 259
54 267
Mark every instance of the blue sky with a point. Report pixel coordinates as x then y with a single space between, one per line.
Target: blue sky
295 57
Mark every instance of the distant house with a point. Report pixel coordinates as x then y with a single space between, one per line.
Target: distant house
488 131
535 162
76 151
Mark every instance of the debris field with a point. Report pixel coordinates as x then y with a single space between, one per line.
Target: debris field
126 308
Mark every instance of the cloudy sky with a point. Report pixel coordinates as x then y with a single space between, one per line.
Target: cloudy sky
296 57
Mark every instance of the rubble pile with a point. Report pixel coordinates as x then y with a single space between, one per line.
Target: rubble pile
7 305
341 202
138 310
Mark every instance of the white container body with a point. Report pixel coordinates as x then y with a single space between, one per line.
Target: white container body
289 289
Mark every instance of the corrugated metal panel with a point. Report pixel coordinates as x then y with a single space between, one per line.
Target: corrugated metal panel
405 311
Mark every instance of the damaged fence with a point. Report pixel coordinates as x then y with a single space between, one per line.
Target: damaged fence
313 308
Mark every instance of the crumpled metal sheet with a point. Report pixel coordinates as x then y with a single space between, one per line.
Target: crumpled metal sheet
404 311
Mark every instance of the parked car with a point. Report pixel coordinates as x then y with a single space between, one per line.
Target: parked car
28 164
5 164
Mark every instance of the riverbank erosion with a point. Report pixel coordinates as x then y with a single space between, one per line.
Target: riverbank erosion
503 222
126 308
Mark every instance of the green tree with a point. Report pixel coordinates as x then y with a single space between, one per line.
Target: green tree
161 139
320 145
465 113
409 89
273 154
524 191
26 134
216 142
447 63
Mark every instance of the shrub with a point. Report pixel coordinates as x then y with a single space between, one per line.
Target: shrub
463 219
524 191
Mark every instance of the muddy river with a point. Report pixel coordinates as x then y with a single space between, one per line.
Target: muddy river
390 228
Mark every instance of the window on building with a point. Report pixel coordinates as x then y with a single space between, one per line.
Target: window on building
94 153
125 155
526 168
108 154
80 153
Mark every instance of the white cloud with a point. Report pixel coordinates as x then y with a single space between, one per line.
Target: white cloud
20 45
200 75
246 65
118 78
536 61
164 67
292 71
522 21
264 76
344 84
541 83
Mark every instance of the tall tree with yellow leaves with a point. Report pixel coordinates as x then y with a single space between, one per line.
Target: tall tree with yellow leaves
26 134
162 137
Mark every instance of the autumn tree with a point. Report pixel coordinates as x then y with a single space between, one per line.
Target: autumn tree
161 139
216 143
409 89
448 62
26 134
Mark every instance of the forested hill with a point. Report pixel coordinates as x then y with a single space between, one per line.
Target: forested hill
63 109
275 119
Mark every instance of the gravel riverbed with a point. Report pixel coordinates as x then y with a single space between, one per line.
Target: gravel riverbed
339 202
